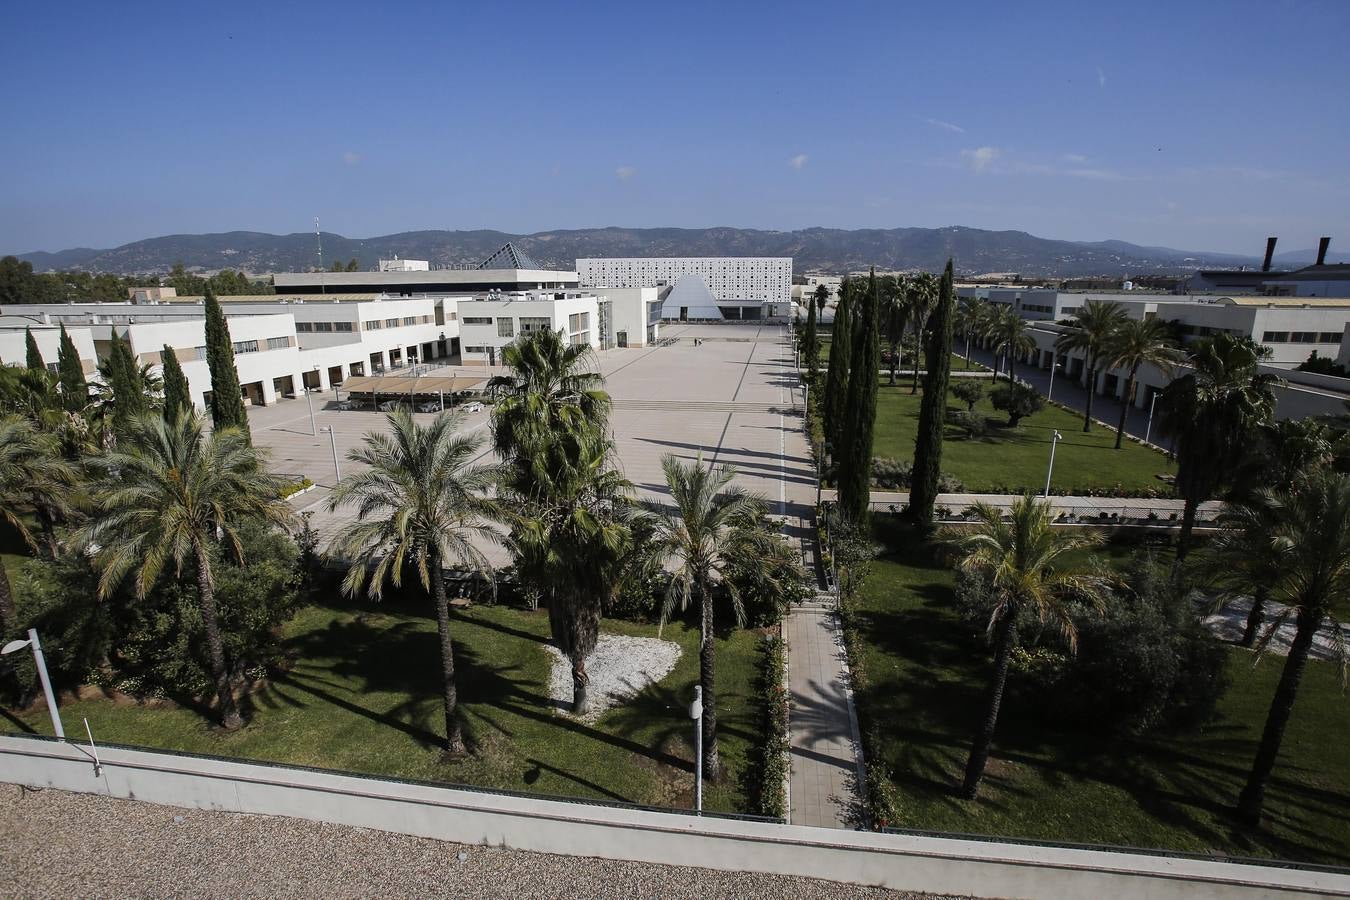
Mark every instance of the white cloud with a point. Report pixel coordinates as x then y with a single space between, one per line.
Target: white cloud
1095 174
979 158
1101 77
351 157
948 126
623 173
798 162
1076 158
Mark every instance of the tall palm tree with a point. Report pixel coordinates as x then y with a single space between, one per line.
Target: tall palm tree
165 495
1307 536
1212 412
921 294
1022 558
420 503
1136 342
571 537
33 478
1012 337
551 388
970 318
712 525
1093 329
894 313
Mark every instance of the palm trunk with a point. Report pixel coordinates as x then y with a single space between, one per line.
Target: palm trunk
1253 795
967 350
454 735
8 616
1187 524
581 683
1125 407
206 585
48 523
1091 389
1256 616
1012 363
712 762
984 736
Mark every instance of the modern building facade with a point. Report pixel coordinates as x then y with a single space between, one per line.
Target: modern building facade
743 287
508 269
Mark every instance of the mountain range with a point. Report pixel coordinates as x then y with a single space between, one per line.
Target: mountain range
974 250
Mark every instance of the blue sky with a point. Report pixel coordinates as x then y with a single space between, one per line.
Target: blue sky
1192 125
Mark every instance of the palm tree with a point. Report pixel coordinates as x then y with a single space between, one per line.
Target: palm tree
711 526
1012 337
1136 342
894 312
571 536
33 477
1022 559
166 495
550 389
1212 411
1093 329
419 503
921 294
970 318
1307 540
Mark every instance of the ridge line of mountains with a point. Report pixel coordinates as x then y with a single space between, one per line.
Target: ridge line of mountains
975 251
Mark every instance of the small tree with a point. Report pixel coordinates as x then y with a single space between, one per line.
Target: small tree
969 391
855 456
177 396
74 387
1018 400
836 377
227 399
32 355
933 407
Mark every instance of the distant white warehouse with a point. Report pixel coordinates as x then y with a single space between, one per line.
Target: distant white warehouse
701 287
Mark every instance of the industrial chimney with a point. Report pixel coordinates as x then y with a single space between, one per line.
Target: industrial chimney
1322 246
1270 253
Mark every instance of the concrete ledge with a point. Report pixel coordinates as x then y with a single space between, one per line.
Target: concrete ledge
905 862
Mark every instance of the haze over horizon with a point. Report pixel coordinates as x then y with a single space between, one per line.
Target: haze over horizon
1156 124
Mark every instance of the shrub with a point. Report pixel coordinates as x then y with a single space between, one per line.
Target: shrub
1018 400
968 391
894 475
638 600
971 424
766 774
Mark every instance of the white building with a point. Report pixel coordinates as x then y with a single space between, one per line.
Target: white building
744 287
404 265
491 321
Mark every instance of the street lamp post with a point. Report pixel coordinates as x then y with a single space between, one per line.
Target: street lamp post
332 440
696 713
1151 404
1053 441
1054 364
309 401
41 661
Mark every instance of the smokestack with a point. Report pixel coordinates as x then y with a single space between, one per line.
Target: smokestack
1270 252
1322 246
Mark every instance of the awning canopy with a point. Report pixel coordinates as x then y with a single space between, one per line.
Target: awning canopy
410 384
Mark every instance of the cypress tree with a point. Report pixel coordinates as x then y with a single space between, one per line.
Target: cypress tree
124 377
227 401
812 350
70 371
836 379
34 355
177 397
933 408
855 476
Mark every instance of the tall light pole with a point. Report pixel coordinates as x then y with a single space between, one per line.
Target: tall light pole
1054 364
1053 441
1151 404
41 661
313 428
696 713
332 440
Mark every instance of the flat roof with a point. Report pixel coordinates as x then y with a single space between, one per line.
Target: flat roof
395 384
432 277
1287 302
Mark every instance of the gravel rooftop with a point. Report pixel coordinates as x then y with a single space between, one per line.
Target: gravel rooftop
59 844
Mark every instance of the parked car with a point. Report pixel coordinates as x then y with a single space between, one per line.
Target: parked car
429 406
472 407
390 405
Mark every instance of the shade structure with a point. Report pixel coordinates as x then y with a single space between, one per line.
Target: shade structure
410 384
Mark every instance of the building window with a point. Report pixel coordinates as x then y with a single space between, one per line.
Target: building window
373 325
410 320
391 323
302 327
531 324
1276 337
323 326
1331 337
245 346
475 349
278 343
200 352
505 326
342 326
477 320
1303 337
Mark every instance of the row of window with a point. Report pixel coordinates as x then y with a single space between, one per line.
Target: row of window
276 343
1302 337
377 324
306 327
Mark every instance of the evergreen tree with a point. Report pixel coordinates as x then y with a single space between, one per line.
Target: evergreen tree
836 378
74 388
177 396
124 377
933 409
812 341
227 401
34 355
855 471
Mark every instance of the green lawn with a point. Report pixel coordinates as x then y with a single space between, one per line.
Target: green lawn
958 361
361 696
927 677
1016 459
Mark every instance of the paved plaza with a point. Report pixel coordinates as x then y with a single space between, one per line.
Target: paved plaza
726 393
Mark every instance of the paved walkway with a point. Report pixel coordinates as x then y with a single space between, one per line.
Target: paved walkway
1084 507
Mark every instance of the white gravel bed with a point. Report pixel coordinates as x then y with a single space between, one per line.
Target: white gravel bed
57 844
620 667
1230 622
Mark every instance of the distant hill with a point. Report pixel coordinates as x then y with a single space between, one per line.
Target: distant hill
974 250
